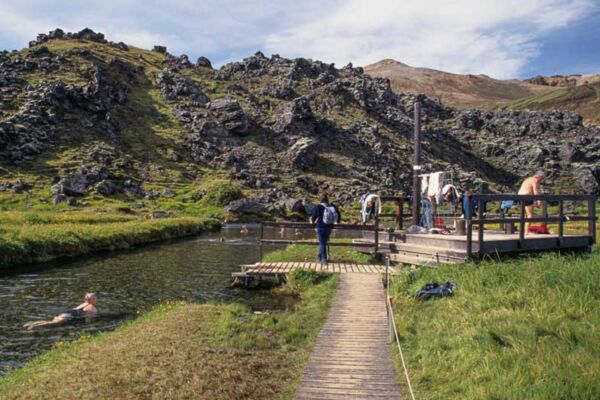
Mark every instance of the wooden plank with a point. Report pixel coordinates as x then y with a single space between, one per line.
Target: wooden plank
352 357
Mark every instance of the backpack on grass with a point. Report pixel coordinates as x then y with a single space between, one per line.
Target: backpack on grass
435 290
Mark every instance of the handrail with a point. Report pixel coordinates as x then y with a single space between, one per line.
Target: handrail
341 244
310 226
482 219
392 324
526 197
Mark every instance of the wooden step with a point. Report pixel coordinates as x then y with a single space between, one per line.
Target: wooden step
410 248
427 260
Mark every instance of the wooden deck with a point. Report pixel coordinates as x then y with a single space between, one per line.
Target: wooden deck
283 268
352 358
435 249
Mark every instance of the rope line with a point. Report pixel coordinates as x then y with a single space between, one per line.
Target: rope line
393 323
412 395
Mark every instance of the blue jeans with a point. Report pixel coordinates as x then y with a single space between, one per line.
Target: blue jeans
323 234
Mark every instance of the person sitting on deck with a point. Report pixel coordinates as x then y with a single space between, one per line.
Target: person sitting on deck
324 215
531 186
85 309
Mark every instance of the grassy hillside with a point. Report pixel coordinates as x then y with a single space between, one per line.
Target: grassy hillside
584 99
480 91
453 89
525 328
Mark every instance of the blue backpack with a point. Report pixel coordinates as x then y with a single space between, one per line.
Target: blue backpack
330 215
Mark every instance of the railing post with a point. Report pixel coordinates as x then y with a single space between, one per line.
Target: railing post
545 211
261 241
592 216
522 224
482 205
561 222
469 223
376 233
400 211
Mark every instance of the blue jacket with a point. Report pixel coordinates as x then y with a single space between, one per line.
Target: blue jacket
317 216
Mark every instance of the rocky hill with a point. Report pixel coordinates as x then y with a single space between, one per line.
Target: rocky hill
578 93
85 118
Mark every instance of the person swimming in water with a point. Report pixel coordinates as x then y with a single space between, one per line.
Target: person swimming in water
85 309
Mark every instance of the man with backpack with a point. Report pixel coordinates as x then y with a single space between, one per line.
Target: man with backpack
324 215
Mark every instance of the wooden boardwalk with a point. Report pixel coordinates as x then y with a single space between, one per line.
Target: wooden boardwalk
352 358
284 268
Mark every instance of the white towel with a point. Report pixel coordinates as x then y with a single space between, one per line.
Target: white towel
435 185
424 184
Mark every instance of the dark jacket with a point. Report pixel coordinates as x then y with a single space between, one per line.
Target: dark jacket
317 216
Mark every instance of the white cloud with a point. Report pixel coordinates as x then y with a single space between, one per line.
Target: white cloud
497 38
494 37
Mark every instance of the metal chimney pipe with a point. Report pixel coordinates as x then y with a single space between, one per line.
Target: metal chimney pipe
416 195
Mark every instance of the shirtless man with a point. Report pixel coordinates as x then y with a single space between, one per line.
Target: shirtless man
531 186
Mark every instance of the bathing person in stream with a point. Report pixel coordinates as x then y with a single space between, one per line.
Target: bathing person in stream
85 309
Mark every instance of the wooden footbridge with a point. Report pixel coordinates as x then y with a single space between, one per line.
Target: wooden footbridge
282 269
352 357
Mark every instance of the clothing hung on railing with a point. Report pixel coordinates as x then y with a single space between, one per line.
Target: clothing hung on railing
434 190
465 207
426 217
433 184
452 196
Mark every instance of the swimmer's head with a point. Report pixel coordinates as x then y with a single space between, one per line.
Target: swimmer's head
91 298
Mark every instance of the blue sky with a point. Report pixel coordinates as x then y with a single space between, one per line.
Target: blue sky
501 38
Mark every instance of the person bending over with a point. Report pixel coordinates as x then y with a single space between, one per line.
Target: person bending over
531 186
85 309
324 215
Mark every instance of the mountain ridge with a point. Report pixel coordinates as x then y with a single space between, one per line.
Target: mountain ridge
481 91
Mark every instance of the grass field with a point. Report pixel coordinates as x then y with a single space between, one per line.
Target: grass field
520 329
187 351
27 237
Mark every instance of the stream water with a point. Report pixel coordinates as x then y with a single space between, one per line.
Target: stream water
195 270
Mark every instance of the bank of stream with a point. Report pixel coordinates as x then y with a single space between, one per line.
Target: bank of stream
194 270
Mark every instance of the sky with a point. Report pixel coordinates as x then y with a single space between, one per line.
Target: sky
500 38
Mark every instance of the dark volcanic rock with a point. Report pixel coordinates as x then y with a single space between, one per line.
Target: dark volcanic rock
107 188
295 118
174 86
203 62
301 154
230 115
246 206
75 184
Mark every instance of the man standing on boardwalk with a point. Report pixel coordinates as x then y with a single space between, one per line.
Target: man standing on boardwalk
324 216
531 186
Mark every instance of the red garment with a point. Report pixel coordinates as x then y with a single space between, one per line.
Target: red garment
543 228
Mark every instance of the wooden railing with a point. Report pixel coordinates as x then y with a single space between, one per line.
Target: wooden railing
309 226
561 219
399 213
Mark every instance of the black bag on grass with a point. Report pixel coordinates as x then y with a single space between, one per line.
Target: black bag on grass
435 290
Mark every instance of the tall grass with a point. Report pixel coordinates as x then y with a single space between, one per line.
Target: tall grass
35 237
522 329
